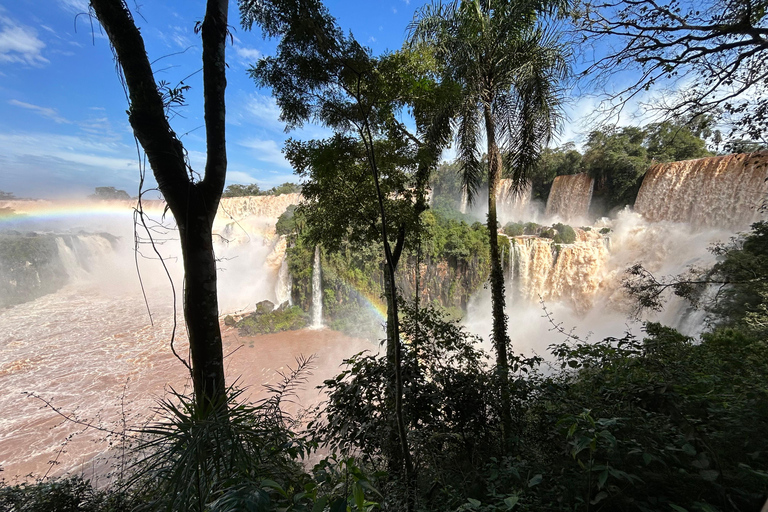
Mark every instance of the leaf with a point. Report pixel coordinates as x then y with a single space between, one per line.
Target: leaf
688 449
473 503
709 475
600 497
536 480
320 504
677 508
511 502
340 505
271 484
601 479
647 458
359 496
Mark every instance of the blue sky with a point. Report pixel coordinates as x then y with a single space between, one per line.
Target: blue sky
63 126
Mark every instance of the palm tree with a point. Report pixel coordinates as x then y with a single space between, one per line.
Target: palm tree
510 70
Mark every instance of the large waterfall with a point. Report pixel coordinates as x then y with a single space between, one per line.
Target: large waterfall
317 292
541 269
717 192
570 196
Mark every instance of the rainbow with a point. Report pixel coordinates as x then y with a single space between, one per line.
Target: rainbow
15 212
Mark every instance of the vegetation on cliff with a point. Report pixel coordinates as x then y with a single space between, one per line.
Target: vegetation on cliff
267 319
617 159
237 190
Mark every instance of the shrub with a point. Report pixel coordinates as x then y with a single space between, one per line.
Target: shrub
514 229
566 234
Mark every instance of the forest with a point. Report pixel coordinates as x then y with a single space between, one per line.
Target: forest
440 419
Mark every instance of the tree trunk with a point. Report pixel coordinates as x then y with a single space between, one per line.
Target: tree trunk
193 204
201 308
500 340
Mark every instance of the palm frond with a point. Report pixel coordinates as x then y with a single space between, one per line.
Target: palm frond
468 138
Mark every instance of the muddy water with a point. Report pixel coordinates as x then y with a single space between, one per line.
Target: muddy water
92 354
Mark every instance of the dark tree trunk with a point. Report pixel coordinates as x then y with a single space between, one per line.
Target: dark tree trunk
500 341
193 204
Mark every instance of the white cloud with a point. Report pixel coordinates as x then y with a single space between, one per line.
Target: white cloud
49 113
69 148
76 6
20 44
247 55
240 177
264 110
266 150
48 164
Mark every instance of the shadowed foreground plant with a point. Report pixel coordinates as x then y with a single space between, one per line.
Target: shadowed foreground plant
244 458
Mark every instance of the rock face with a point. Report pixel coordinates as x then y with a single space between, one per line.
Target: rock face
570 196
717 192
34 265
238 208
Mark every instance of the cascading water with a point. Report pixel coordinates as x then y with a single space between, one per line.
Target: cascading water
78 253
571 273
513 205
718 192
284 284
570 196
317 292
464 200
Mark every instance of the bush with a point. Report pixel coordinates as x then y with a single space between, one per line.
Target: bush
281 319
514 229
71 494
565 234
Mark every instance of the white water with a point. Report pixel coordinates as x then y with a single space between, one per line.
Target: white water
317 292
284 284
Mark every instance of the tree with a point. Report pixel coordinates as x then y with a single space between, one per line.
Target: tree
192 201
510 69
237 190
554 162
714 54
109 193
368 181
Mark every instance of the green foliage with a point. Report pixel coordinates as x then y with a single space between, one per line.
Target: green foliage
72 494
243 458
514 229
238 190
109 193
565 234
552 163
287 318
446 186
287 222
617 159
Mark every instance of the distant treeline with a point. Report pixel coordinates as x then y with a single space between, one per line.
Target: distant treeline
237 190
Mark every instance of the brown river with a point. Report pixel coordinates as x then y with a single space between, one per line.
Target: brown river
94 356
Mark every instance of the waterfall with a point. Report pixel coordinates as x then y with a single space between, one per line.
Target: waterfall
513 205
317 292
717 192
570 273
570 196
284 284
464 200
79 253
